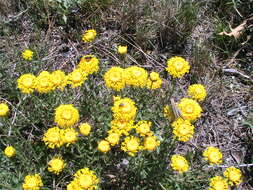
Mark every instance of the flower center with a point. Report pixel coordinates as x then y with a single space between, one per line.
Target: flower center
57 164
77 77
132 145
85 181
32 183
178 66
66 114
126 108
188 109
219 185
54 137
137 73
115 77
44 82
28 82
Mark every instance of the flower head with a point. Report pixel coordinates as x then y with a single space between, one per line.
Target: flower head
136 76
85 129
76 78
197 92
131 145
32 182
44 82
124 109
233 175
89 64
4 109
179 163
122 50
190 109
104 146
27 54
69 136
143 128
56 165
84 179
9 151
89 35
113 138
52 138
151 143
182 129
154 81
26 83
66 115
177 67
213 155
218 183
59 79
114 78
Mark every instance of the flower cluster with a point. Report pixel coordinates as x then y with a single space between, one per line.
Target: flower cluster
32 182
56 137
233 177
84 179
4 109
117 78
46 82
124 112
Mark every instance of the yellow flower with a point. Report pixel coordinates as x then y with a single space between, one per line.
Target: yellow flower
150 143
122 50
183 129
52 138
218 183
114 78
44 82
124 109
104 146
59 79
56 165
76 78
143 128
213 155
27 54
233 175
9 151
168 113
4 109
131 145
69 136
121 126
85 129
89 64
197 92
89 35
113 138
179 163
84 179
177 67
26 83
154 81
190 109
32 182
66 115
136 76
